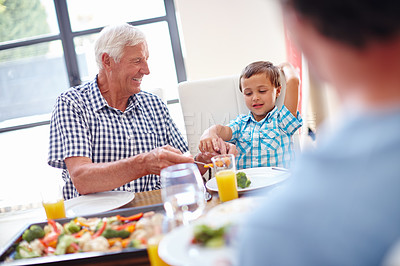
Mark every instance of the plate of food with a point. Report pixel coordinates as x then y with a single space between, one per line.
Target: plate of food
211 239
97 202
254 178
198 244
111 236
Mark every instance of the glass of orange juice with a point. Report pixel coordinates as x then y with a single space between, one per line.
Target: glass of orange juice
225 173
53 200
153 242
152 250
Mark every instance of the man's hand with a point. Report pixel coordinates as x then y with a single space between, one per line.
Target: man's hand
159 158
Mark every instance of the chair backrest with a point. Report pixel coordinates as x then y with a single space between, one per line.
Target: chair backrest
212 101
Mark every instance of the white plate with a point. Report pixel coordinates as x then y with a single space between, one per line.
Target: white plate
260 177
176 249
97 202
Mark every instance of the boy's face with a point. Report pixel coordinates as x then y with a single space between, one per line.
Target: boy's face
259 94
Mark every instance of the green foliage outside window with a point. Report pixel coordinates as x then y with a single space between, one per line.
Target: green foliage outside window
21 19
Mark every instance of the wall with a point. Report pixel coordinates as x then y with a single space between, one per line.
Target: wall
220 37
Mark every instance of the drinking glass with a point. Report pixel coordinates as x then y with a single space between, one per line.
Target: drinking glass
53 200
183 193
225 173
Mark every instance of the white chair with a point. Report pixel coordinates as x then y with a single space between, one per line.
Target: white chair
212 101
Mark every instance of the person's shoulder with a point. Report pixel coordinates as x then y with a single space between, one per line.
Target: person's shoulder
78 95
148 96
242 117
77 91
283 112
239 122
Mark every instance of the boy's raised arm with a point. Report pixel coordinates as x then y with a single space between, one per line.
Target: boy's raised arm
210 140
292 87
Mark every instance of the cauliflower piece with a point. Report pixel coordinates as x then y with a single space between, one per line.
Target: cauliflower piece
98 244
37 246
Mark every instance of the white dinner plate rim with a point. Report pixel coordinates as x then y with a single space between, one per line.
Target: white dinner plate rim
281 175
86 204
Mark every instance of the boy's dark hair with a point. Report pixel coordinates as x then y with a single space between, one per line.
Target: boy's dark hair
353 22
260 67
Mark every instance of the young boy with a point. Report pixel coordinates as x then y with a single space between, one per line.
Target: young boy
264 136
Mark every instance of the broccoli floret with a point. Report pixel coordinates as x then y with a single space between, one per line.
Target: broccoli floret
71 227
32 233
110 233
135 243
242 180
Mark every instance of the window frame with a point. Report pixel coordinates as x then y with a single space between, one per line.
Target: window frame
66 36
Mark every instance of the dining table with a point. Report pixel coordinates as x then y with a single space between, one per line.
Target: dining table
265 180
12 223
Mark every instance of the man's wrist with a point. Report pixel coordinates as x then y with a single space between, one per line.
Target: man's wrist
197 157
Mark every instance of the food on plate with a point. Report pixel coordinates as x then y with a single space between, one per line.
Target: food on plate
33 233
242 180
208 236
93 234
209 165
225 161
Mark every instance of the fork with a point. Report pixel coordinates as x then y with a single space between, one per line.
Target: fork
206 165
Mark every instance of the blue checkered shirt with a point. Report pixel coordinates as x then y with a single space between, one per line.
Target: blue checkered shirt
268 142
83 124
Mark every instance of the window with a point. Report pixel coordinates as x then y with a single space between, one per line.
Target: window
49 48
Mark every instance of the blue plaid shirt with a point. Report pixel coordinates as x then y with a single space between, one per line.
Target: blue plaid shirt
83 124
267 142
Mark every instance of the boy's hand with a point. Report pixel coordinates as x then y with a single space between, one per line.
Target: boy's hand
213 139
211 143
231 149
289 71
217 145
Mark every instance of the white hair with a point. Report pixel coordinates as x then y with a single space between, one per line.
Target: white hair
114 38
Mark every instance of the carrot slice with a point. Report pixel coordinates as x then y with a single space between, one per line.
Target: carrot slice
130 218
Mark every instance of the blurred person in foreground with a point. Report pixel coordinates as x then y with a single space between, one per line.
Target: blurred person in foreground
342 204
108 134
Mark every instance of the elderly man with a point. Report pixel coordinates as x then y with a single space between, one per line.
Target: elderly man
108 134
342 206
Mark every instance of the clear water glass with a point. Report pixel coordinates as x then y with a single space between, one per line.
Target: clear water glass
182 193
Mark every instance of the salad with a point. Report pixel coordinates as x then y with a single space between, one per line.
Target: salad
83 235
211 237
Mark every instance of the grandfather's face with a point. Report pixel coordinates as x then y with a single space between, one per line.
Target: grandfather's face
129 72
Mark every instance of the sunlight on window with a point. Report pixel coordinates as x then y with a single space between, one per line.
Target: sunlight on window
99 13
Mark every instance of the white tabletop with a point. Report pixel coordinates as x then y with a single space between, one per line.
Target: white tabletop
13 222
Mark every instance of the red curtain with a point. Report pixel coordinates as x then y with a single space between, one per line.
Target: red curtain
294 57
